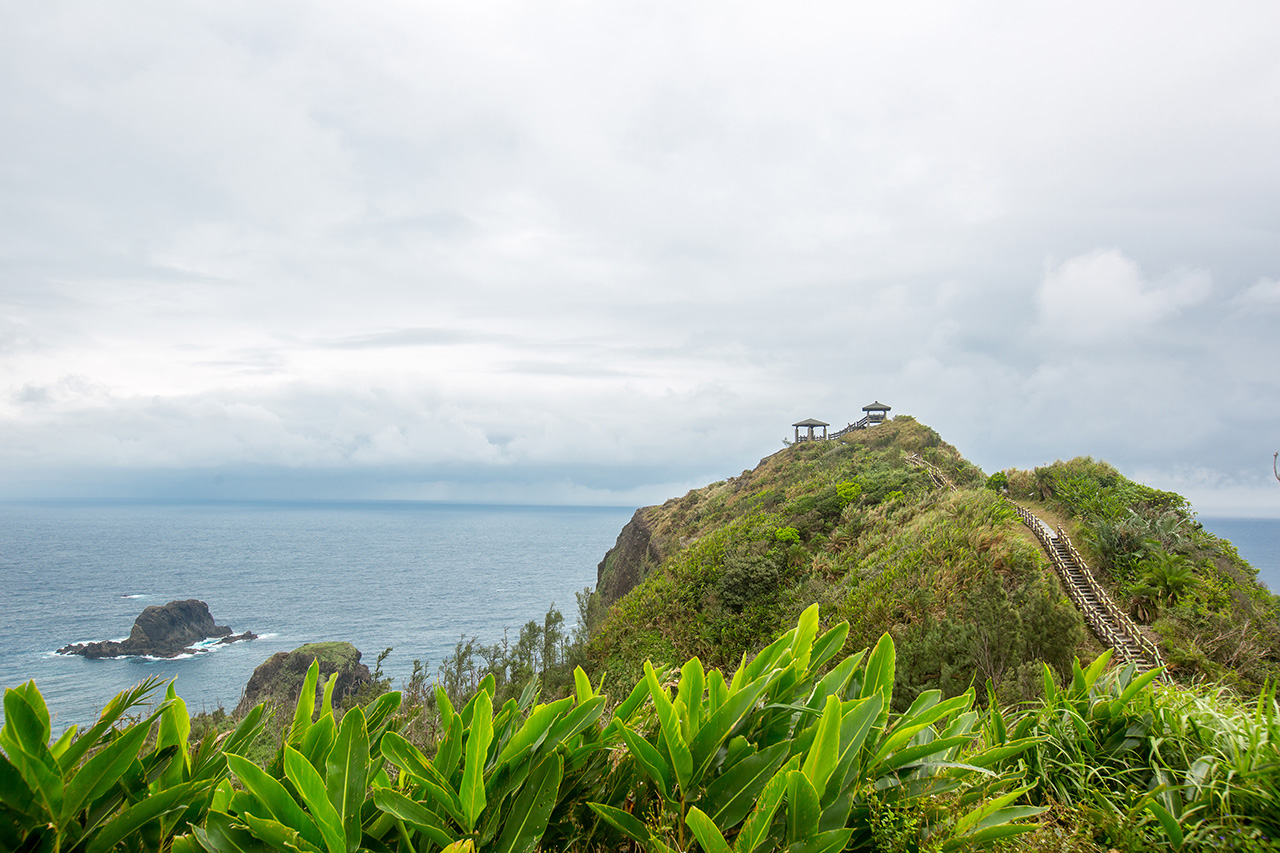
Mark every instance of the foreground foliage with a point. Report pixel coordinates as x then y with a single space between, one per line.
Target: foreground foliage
800 749
795 750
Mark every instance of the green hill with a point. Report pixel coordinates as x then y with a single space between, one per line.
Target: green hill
948 569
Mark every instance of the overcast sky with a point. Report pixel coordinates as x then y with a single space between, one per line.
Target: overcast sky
575 252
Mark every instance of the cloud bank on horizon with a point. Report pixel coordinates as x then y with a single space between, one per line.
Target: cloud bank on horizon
560 253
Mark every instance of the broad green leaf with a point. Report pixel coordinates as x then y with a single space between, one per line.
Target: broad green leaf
59 747
802 807
119 704
834 682
1096 668
312 790
16 794
1134 688
830 841
582 686
763 662
825 750
971 820
471 791
717 690
633 701
462 845
756 827
184 844
175 730
219 834
677 749
860 716
318 740
347 770
984 837
101 772
445 706
247 732
306 704
828 646
909 726
31 694
380 710
275 798
573 722
720 725
628 824
417 814
802 643
449 752
1050 685
690 689
733 793
650 761
277 834
706 831
1001 752
326 704
534 730
532 809
917 754
137 815
1167 822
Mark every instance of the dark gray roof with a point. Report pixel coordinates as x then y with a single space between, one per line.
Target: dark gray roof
877 406
811 422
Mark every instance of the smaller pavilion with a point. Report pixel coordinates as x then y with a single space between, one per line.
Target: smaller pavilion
876 411
810 424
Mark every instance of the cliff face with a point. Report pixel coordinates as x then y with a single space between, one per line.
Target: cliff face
630 560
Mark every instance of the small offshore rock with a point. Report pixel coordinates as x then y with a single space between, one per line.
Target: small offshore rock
163 631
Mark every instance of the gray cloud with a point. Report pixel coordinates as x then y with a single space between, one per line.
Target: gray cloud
601 254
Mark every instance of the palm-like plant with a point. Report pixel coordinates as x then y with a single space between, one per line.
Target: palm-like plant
1170 575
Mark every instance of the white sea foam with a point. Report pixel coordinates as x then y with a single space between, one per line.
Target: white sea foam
136 595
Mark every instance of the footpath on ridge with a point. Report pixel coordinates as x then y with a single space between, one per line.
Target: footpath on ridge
1107 621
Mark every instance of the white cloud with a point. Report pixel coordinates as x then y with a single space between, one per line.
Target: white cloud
523 239
1264 295
1103 296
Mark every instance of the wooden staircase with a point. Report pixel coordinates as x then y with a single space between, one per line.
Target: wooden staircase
1107 621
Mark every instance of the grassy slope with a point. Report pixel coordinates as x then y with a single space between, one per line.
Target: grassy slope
954 576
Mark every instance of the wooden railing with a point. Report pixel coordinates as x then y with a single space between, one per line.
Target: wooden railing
1111 624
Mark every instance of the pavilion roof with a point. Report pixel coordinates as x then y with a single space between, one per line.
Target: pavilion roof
807 422
877 406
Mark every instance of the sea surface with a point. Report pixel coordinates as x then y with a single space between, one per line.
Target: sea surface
413 577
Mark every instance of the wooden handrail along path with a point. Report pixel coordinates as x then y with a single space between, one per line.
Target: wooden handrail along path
1107 621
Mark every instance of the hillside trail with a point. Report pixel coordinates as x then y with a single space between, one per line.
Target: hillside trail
1108 622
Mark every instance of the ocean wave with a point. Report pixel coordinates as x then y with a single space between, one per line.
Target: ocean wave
136 595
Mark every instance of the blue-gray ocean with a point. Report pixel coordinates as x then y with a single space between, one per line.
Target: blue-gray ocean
410 576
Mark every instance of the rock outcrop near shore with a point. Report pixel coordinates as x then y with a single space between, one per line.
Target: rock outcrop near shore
278 680
164 632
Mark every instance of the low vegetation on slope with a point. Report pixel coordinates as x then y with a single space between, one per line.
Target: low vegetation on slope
855 526
1203 601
